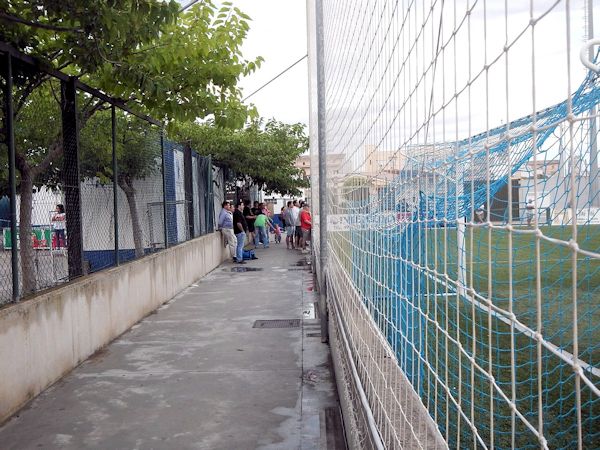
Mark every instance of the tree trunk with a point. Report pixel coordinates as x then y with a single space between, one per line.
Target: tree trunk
135 220
26 251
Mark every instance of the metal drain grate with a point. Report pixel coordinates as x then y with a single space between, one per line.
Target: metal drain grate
246 269
277 323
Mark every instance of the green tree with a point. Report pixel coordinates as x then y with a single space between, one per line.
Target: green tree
260 153
83 35
37 138
169 65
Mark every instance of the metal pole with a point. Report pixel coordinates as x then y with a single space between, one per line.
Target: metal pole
71 179
188 181
211 197
164 181
594 182
115 182
12 180
322 170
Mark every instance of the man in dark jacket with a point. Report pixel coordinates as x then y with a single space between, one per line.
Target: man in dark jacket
240 228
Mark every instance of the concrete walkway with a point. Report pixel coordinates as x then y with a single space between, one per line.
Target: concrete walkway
196 374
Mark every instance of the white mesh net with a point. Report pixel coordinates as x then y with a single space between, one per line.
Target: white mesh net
464 217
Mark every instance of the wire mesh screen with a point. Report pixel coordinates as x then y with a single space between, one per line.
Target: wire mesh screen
40 206
219 190
205 195
5 256
464 214
176 204
139 184
96 184
196 195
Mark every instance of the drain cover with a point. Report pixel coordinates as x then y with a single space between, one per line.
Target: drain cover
277 323
246 269
302 263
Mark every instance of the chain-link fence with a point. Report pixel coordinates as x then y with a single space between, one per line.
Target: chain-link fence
85 182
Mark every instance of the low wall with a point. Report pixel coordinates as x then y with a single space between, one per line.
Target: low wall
44 337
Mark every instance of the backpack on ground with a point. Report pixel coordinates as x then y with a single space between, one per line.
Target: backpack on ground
249 254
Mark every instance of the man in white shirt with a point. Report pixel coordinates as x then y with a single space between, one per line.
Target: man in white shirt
226 227
290 228
529 211
296 218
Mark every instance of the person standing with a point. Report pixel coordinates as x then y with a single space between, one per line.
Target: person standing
479 214
530 211
59 225
260 224
305 225
290 229
240 226
277 230
250 216
282 215
226 227
262 208
297 229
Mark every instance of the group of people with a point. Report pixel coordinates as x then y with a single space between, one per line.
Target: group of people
251 223
297 221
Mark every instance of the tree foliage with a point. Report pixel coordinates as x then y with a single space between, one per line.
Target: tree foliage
263 152
191 71
174 66
171 65
83 34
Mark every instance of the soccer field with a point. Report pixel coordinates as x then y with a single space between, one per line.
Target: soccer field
378 261
492 275
543 286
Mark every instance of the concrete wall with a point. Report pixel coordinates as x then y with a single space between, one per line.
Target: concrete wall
43 338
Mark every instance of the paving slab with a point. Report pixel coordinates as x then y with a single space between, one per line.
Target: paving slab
196 374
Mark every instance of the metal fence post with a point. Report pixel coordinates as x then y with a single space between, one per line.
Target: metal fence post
594 170
12 180
115 169
70 177
322 171
164 183
211 196
189 190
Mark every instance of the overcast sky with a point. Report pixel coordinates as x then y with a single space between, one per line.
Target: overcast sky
278 34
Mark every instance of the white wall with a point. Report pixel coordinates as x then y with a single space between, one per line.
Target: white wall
98 217
43 205
181 209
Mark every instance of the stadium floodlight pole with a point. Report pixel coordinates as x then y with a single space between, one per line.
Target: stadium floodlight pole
322 169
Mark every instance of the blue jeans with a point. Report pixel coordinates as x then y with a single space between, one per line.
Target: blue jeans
239 251
261 235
